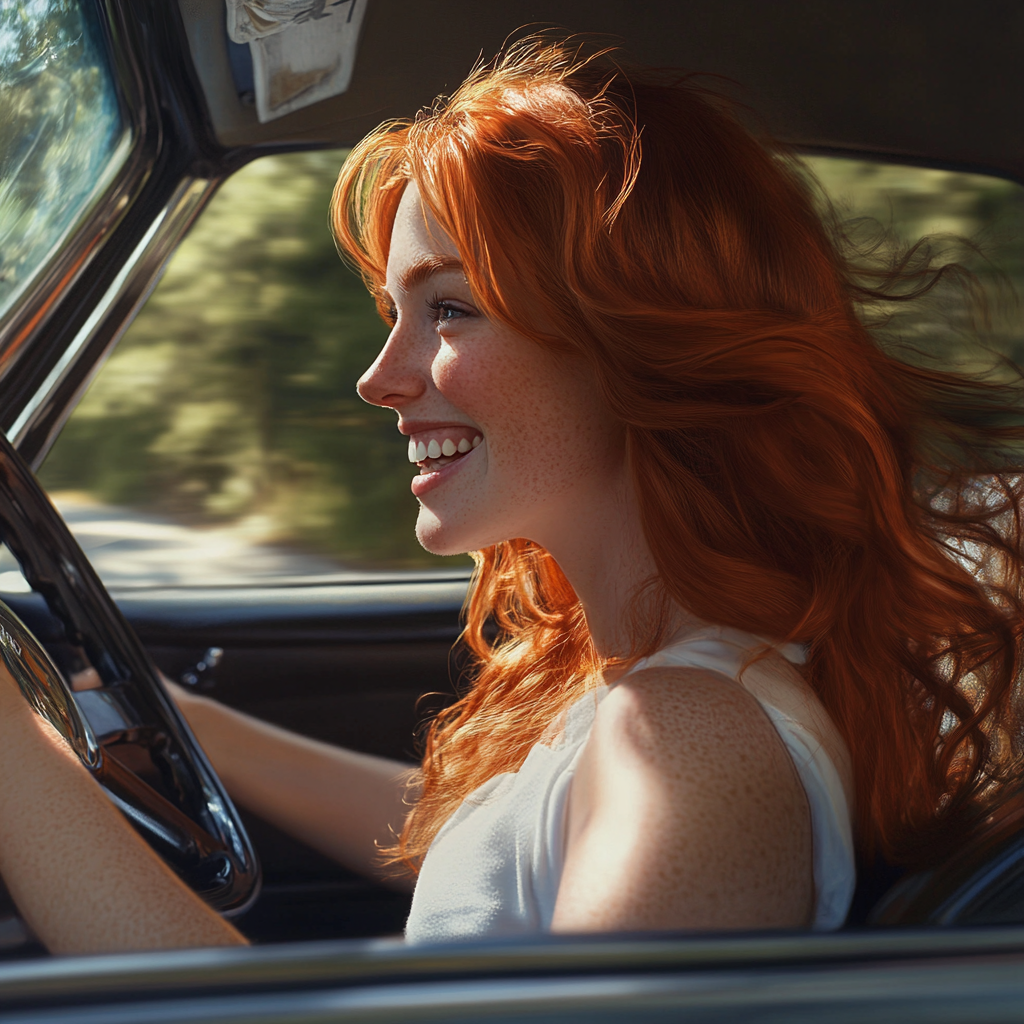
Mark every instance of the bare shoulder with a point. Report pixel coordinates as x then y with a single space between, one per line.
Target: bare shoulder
686 811
702 732
673 713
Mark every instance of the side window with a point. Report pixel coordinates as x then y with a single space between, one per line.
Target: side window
223 441
948 207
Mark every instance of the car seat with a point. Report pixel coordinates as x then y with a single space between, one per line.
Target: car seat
981 884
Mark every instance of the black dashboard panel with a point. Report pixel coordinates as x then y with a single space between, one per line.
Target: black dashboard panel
356 664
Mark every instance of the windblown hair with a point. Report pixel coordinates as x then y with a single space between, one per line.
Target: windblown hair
795 480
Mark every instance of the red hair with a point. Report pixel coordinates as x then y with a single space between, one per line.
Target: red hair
794 480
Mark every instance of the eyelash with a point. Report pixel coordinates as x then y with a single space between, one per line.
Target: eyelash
437 305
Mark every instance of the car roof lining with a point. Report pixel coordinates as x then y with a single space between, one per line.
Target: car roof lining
931 82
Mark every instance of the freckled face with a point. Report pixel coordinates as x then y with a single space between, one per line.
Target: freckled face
531 449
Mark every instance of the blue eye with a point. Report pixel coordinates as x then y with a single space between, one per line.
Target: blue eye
444 312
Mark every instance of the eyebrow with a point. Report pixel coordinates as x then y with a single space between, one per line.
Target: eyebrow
422 268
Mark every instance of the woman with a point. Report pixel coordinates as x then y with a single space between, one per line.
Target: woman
726 541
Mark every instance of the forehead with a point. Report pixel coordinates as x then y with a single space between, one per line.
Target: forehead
415 236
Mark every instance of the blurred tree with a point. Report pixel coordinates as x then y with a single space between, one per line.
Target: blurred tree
910 203
232 395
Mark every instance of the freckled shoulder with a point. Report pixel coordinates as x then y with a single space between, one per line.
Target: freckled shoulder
698 726
671 712
686 812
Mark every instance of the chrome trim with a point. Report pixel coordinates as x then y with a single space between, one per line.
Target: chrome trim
41 299
939 976
380 962
44 687
989 994
134 282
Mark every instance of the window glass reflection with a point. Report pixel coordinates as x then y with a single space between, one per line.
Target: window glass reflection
61 135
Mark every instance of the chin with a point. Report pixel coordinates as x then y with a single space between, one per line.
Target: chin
440 538
433 536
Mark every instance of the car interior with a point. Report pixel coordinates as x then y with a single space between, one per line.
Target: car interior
350 635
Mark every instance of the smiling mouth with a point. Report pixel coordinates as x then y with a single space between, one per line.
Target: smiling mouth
432 453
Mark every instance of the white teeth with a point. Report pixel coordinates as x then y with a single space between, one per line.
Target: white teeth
434 449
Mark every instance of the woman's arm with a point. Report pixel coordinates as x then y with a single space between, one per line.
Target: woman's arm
685 812
338 801
81 877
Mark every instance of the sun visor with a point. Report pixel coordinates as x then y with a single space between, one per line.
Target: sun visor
868 77
303 51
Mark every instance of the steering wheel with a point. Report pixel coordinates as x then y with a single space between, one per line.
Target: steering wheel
127 732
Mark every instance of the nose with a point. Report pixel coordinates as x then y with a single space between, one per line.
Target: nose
396 376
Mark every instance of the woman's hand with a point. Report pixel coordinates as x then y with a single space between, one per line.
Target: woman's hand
81 877
685 812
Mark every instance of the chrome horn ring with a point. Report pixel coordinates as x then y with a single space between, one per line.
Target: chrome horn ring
44 687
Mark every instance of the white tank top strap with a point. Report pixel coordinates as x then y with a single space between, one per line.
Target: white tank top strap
718 649
831 827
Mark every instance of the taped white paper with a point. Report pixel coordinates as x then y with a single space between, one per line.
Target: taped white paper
303 51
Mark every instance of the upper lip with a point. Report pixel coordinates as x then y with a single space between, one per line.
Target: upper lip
408 427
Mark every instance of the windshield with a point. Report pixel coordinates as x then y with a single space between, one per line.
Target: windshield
61 132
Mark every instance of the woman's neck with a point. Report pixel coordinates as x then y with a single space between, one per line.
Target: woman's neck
605 556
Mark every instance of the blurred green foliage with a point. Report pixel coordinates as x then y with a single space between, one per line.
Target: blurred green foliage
231 397
971 219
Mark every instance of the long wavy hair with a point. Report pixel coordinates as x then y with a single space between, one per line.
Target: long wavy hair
794 479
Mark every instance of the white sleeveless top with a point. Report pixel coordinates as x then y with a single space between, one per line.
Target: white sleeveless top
495 866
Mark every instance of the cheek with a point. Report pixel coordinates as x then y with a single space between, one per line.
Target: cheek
465 378
518 398
545 422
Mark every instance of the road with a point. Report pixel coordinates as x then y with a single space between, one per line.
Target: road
133 549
